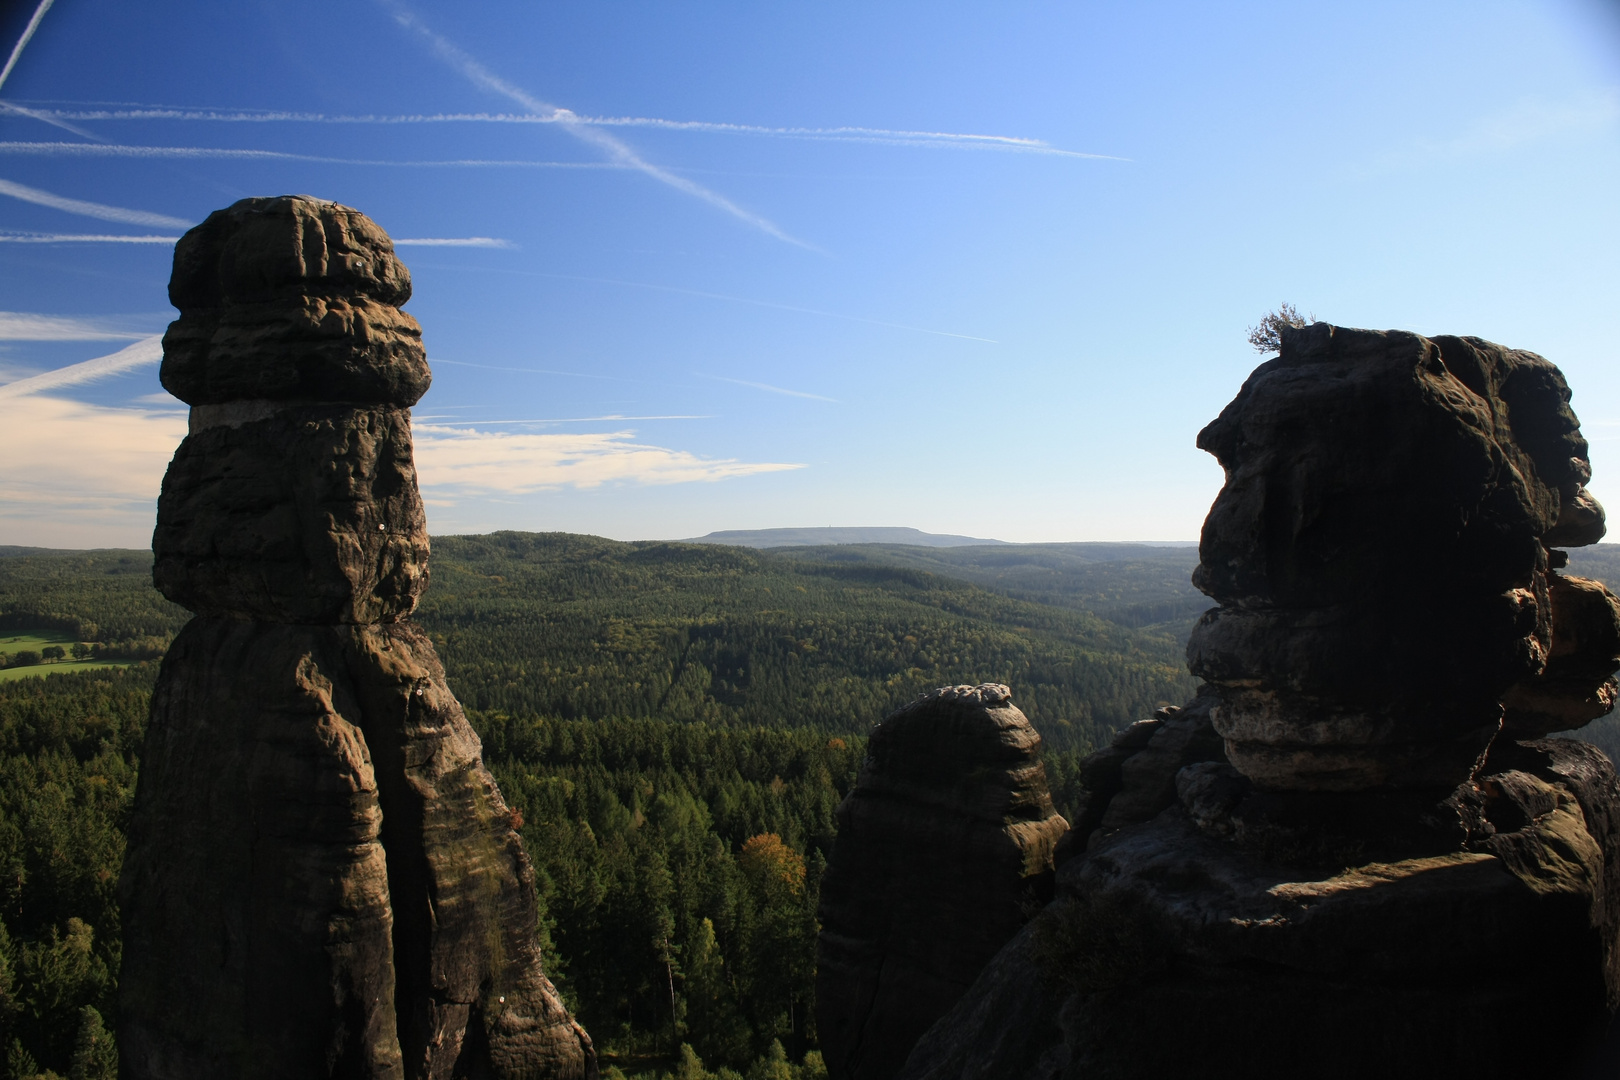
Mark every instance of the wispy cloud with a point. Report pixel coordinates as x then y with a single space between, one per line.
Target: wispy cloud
82 238
90 209
454 241
70 149
146 351
847 133
769 388
81 475
1529 121
29 326
455 463
1532 120
616 150
105 490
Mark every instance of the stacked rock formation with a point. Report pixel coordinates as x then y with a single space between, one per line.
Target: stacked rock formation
1350 853
1381 554
322 879
944 850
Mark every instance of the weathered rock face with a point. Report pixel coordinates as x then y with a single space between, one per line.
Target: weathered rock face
304 514
291 299
1577 685
322 878
1380 554
944 848
1335 860
1172 949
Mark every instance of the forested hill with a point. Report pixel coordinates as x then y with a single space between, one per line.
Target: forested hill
1138 585
675 724
575 626
555 624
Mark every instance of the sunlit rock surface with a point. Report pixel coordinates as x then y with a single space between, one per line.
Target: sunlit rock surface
322 879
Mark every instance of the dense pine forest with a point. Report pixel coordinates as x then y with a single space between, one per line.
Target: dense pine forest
676 724
574 626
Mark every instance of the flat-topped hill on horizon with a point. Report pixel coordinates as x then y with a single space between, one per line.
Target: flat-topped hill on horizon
829 534
833 535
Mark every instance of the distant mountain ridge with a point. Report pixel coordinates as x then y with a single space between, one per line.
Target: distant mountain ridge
817 537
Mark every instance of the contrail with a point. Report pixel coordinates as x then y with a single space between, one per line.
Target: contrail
119 238
770 388
27 326
82 238
143 352
27 35
51 119
554 420
572 123
847 133
90 209
455 241
67 149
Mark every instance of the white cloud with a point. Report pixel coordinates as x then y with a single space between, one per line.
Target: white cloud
148 350
31 326
452 462
90 209
81 475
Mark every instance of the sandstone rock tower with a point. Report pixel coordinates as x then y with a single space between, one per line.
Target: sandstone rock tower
1384 554
944 848
1351 854
322 879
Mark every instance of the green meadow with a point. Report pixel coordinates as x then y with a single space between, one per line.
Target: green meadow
38 641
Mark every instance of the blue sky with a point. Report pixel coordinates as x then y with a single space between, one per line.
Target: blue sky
972 268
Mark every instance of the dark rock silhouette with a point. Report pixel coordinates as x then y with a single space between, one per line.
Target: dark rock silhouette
1345 856
322 879
944 849
1378 554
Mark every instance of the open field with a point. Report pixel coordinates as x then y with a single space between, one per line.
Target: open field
37 641
59 667
17 641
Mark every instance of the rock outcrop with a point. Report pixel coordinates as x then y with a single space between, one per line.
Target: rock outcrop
1349 854
322 879
1381 554
944 850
